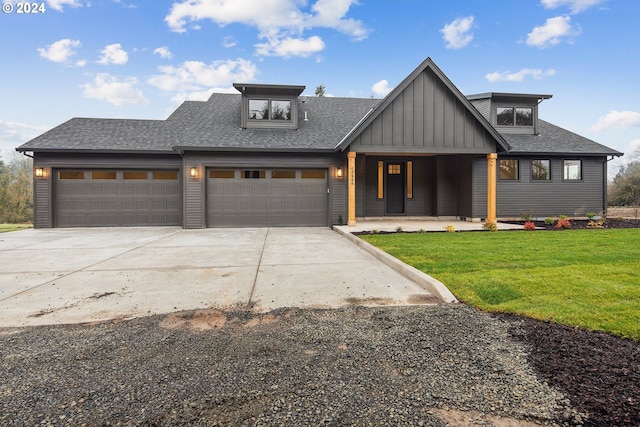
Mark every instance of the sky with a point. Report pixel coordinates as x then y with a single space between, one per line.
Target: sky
139 59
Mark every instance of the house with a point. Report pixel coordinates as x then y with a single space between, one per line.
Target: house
268 156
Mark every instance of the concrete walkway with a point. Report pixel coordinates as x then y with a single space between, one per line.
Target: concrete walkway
412 224
92 274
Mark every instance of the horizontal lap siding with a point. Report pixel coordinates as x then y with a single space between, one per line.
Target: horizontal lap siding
554 197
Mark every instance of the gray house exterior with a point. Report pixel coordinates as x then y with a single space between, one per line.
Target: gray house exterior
268 156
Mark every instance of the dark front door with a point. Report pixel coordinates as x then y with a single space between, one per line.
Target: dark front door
395 188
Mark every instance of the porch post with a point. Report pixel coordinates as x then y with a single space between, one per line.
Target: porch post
491 187
351 191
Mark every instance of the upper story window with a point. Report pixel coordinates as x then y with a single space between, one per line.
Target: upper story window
269 106
514 116
269 109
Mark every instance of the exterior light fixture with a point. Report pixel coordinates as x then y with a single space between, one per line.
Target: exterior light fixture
339 173
39 173
194 172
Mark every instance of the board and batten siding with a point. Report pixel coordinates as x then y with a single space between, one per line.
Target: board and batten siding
195 188
553 197
44 191
426 117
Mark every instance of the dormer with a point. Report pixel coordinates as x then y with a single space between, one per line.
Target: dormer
515 113
269 106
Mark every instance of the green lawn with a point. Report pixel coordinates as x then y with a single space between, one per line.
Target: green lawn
585 278
13 227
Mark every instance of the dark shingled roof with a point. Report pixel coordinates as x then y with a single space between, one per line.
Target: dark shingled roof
81 134
214 125
553 139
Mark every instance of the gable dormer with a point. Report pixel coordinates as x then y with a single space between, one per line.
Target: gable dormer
269 106
510 113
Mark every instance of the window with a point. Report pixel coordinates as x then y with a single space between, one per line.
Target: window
313 174
509 170
134 175
266 109
572 170
169 175
252 174
283 174
524 116
518 116
394 169
221 174
504 116
71 175
103 175
540 170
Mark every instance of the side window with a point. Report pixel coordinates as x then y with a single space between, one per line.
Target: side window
540 170
572 170
509 170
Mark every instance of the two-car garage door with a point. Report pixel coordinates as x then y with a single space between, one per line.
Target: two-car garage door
267 197
114 198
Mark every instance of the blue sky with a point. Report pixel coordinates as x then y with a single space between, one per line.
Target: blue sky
141 59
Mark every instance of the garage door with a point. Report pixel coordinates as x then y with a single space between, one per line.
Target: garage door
267 197
93 198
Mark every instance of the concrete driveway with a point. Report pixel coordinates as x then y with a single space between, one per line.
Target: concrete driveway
86 275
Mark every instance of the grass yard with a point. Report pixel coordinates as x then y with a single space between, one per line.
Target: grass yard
585 278
13 227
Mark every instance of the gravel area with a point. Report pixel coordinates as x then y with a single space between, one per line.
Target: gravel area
421 365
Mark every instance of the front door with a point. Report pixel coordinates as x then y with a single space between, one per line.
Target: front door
395 188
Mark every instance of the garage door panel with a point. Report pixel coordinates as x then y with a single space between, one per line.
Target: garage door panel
93 202
270 200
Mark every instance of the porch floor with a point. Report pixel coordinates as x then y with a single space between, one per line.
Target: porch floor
411 224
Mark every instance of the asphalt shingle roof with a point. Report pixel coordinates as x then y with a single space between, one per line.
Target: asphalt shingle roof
552 139
214 124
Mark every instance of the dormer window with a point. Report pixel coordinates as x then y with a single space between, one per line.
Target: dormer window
269 109
269 106
514 116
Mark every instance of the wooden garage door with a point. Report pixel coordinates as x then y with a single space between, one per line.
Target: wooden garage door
114 198
267 197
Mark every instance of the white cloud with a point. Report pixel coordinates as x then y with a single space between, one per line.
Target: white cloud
381 88
520 75
288 47
19 133
617 119
195 79
229 41
551 32
58 4
108 88
576 6
60 51
281 22
113 54
163 51
457 34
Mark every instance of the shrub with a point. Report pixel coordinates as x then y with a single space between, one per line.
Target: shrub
591 215
563 223
526 216
596 224
398 229
490 226
529 226
450 228
549 221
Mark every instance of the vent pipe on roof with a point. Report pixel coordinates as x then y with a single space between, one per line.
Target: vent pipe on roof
306 119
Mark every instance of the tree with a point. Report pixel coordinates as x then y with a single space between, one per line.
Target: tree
320 90
16 190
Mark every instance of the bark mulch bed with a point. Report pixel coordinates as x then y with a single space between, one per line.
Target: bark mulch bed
598 373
